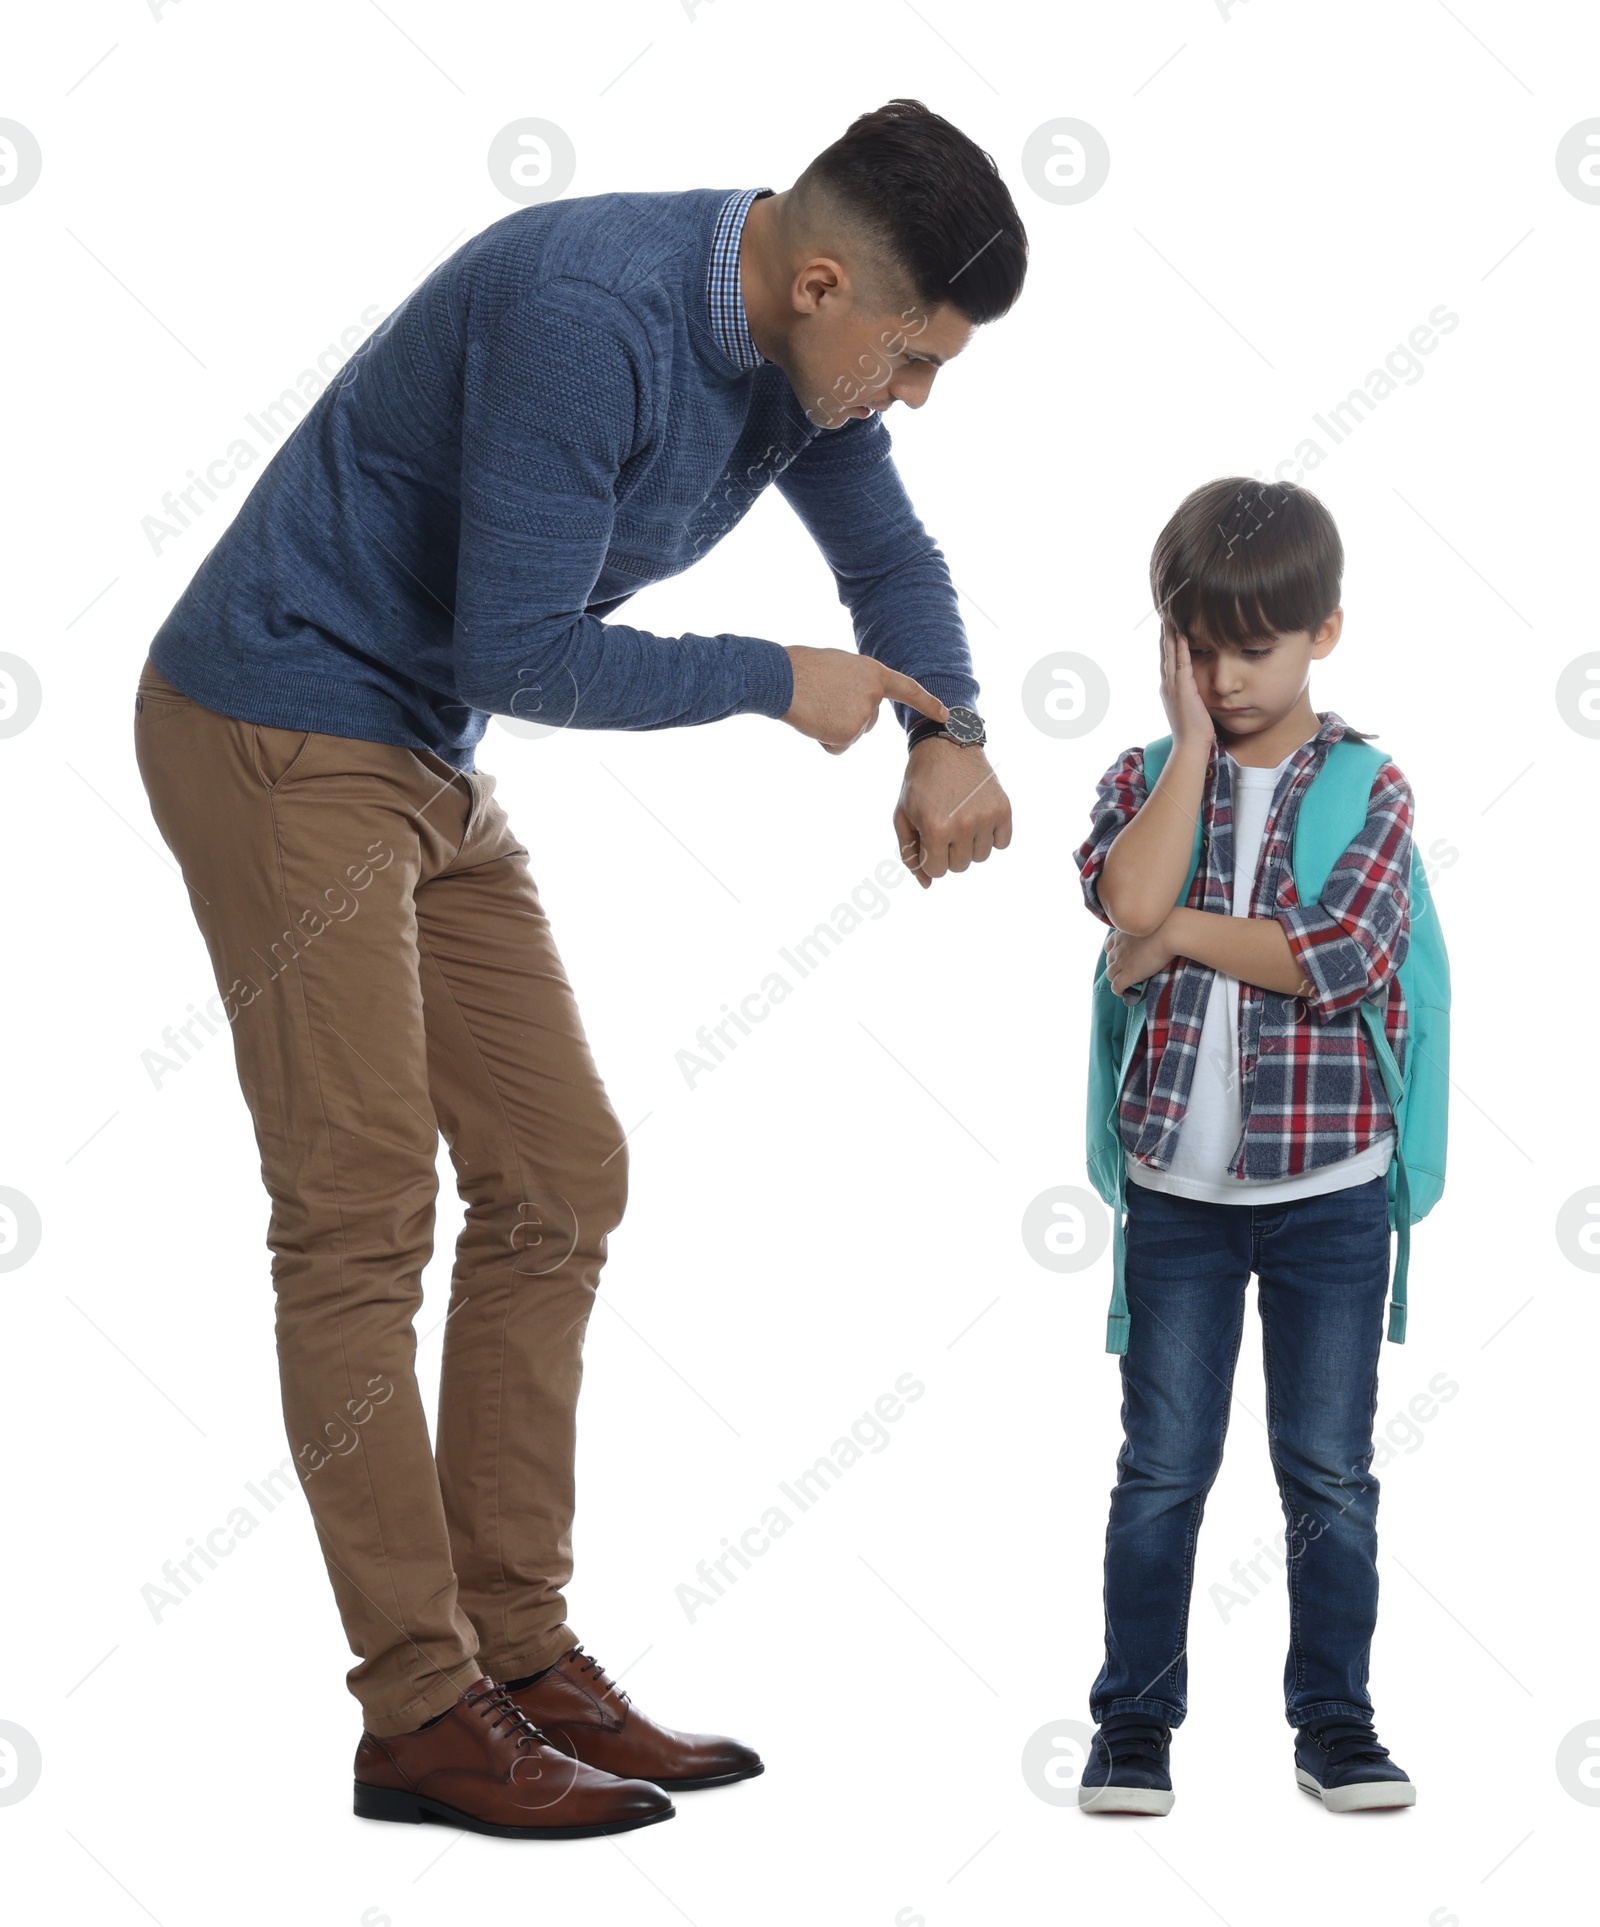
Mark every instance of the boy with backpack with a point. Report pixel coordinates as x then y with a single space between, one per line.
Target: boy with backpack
1267 1095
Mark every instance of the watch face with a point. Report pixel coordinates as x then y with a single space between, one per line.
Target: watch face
964 724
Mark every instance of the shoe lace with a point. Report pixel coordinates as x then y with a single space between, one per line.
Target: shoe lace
587 1663
1349 1742
1133 1736
506 1711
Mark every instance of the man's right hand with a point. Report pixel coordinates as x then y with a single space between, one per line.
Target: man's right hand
837 695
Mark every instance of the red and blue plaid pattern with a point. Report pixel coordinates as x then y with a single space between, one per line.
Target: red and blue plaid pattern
1310 1091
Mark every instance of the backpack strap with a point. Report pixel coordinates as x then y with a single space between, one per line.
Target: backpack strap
1342 787
1117 1317
1322 834
1394 1085
1155 760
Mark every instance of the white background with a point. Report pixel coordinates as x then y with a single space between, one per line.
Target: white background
1292 189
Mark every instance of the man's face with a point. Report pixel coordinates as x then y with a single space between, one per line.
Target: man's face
851 360
1248 687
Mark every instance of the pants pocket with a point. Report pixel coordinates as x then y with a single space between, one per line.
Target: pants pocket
155 691
277 751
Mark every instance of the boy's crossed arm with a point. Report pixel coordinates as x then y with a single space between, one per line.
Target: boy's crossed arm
1331 953
1256 950
1144 869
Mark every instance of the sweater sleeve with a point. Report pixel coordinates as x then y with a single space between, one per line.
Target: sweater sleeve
556 399
891 574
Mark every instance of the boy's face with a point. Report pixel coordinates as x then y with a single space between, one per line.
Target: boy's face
1249 687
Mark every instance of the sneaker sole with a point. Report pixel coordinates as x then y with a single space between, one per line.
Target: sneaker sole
1124 1799
1360 1796
387 1803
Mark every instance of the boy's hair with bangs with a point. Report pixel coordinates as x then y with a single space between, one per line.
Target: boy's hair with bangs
1242 559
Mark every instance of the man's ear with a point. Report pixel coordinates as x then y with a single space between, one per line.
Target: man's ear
1324 642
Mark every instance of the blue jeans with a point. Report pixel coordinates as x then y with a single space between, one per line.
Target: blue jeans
1323 1267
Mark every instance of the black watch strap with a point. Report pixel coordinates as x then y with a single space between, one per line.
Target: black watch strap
920 730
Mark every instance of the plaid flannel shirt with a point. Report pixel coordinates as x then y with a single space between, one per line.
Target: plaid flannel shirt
1310 1090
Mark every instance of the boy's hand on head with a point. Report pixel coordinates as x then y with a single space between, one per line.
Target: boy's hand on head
1187 715
1131 960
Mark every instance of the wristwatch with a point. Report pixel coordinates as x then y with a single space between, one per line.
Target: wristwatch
962 725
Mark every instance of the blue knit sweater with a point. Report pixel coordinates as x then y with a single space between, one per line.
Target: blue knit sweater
543 426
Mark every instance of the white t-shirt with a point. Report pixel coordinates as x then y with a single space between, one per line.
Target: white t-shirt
1213 1120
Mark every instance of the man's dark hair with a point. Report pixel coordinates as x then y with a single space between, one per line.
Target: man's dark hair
933 200
1241 560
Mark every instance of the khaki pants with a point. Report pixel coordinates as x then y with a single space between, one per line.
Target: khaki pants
387 973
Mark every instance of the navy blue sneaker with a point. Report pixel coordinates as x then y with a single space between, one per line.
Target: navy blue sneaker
1128 1769
1341 1762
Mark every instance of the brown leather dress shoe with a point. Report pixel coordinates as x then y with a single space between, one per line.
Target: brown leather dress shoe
580 1710
486 1767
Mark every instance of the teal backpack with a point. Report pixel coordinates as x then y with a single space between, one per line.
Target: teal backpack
1331 815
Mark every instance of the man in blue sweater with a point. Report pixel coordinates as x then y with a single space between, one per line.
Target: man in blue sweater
582 400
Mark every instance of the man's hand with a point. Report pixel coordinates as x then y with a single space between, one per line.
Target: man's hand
1130 960
837 695
952 811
